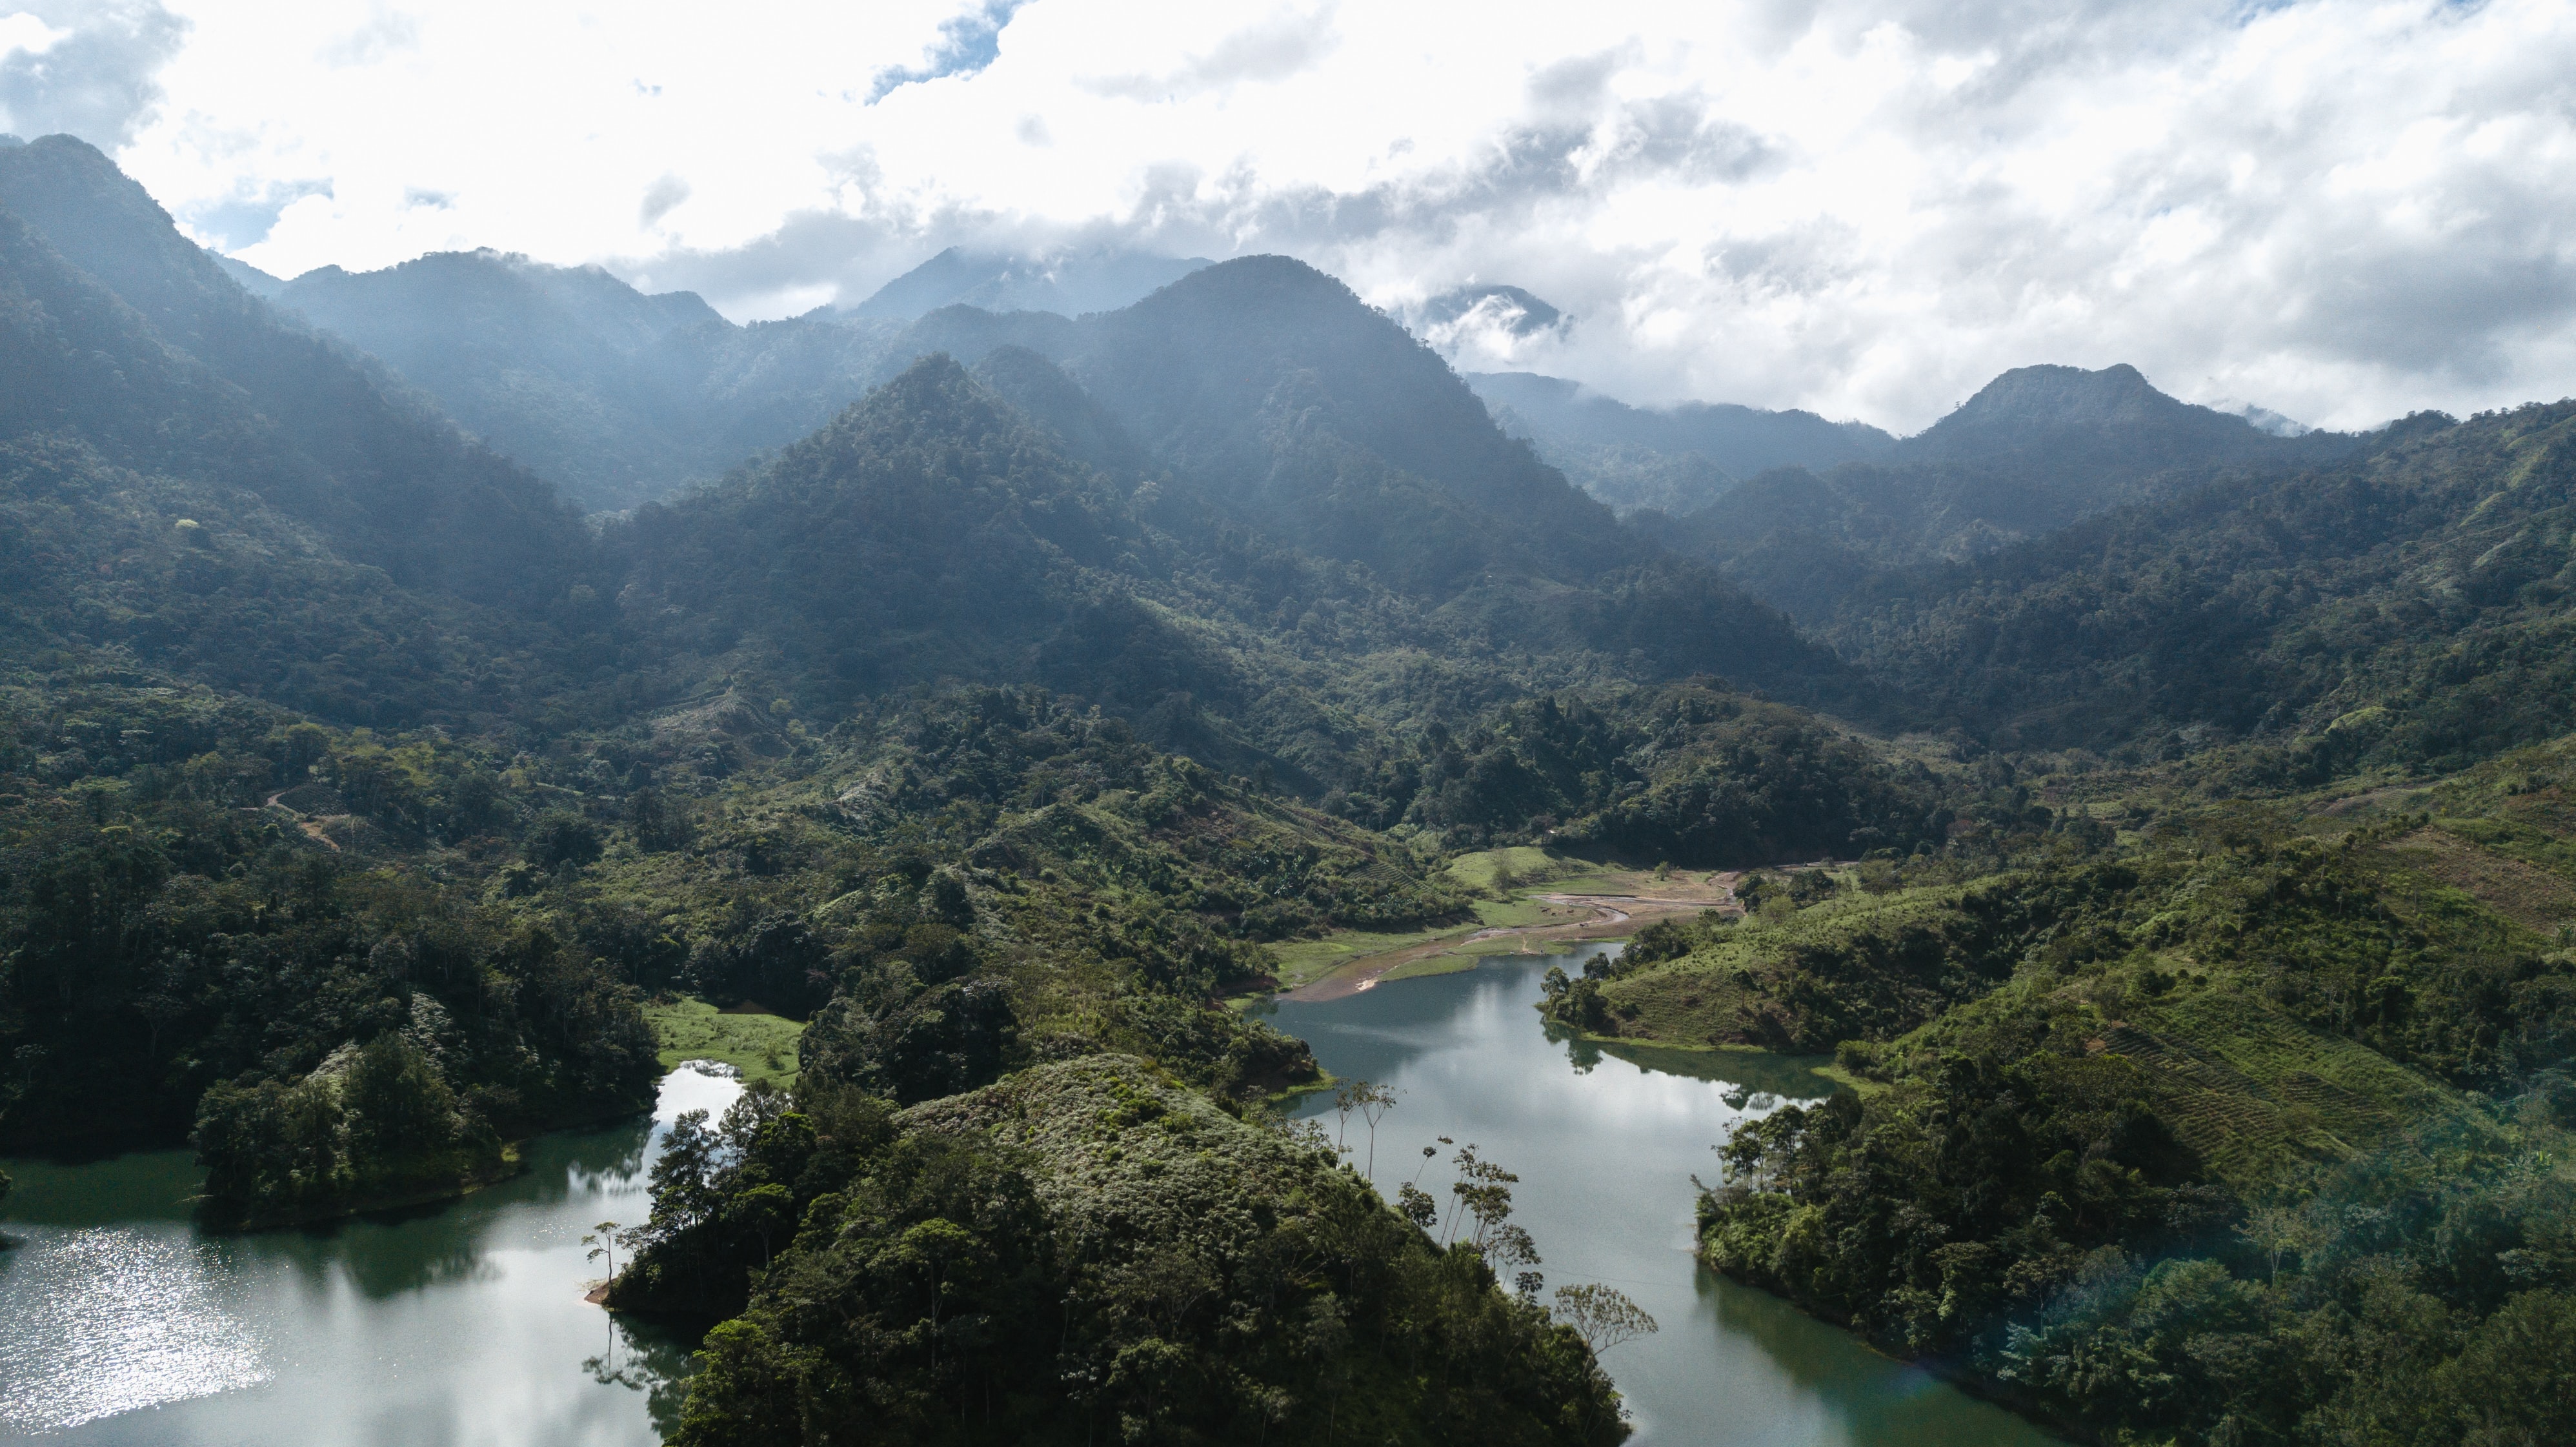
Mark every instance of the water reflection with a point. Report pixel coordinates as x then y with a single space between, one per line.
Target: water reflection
456 1323
650 1358
1606 1140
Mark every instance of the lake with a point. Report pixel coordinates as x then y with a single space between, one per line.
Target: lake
455 1325
1605 1145
462 1324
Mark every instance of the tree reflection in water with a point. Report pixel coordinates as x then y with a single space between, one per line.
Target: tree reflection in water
648 1357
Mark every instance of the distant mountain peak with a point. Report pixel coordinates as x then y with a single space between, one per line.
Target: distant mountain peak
2058 396
2267 420
2085 420
1069 282
1516 312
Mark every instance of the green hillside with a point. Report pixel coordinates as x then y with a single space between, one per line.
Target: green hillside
1086 1216
2165 829
2406 607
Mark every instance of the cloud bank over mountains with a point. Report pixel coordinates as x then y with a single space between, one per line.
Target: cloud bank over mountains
2337 209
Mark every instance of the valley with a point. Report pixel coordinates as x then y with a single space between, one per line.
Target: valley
2060 925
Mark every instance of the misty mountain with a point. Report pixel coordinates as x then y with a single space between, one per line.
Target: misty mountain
1275 401
270 407
2035 450
1010 525
1225 511
1672 459
1067 283
2065 422
615 396
1517 312
250 278
621 398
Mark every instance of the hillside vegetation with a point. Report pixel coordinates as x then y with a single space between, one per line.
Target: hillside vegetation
2270 1119
1088 1249
2164 825
2408 607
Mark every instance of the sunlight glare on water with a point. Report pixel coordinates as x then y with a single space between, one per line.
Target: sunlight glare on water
454 1325
118 1318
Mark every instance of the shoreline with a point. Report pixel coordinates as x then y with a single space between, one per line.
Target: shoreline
513 1165
1619 916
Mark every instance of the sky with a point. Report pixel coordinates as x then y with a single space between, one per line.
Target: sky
2341 210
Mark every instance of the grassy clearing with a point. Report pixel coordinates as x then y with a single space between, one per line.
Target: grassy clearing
763 1047
2531 895
1302 962
1676 883
1527 864
2257 1093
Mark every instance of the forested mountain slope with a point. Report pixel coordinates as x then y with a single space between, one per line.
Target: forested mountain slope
2276 1119
617 397
1276 401
326 436
2410 606
2036 449
1674 460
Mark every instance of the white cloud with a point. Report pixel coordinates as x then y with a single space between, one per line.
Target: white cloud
2341 209
83 66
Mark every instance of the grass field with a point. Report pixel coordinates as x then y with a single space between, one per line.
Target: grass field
763 1047
1302 962
1528 865
1676 884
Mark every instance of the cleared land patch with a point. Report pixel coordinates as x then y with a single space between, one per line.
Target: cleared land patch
2531 896
2254 1092
761 1046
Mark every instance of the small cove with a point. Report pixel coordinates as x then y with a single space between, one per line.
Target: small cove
455 1323
1605 1144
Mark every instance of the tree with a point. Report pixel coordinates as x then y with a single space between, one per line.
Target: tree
402 1106
1484 1190
603 1242
1371 1103
1602 1315
2275 1231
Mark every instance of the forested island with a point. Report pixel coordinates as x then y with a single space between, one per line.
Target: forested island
2172 849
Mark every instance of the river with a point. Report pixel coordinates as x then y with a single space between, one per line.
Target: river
1605 1146
462 1324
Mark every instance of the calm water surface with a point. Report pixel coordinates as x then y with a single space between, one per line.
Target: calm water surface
455 1325
464 1324
1605 1145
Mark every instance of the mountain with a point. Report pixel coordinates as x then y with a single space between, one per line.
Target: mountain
2036 449
1068 283
1670 459
250 278
2409 605
312 429
1272 402
2110 423
621 398
2199 960
615 396
1517 312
